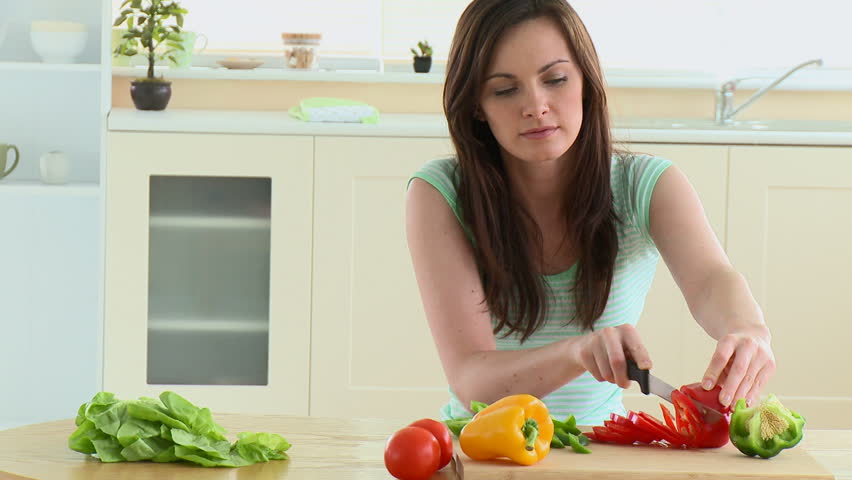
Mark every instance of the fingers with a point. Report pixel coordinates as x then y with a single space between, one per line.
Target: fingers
740 365
633 344
755 366
723 353
615 353
763 376
605 354
748 365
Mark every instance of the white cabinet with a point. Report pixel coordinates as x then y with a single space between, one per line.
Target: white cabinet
372 353
342 327
789 232
208 267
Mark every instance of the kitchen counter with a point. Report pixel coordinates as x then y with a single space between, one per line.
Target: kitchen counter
648 130
328 448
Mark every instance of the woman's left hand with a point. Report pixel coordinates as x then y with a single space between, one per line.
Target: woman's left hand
742 364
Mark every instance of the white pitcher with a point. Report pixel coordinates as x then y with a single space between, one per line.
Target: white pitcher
54 167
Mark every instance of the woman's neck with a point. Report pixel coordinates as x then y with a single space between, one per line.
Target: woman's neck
540 186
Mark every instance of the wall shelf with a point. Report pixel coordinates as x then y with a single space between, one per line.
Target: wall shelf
49 67
35 187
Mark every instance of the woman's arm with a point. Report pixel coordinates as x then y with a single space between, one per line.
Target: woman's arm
718 296
460 322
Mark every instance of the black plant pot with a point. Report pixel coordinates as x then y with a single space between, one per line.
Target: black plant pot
148 95
422 64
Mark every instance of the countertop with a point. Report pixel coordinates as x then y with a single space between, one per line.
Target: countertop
329 448
636 130
204 67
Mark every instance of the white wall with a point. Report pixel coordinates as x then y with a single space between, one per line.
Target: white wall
708 35
49 302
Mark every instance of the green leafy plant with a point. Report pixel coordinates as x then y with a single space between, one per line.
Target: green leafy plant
151 24
425 49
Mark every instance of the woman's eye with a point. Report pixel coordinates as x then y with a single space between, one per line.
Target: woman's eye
505 91
557 81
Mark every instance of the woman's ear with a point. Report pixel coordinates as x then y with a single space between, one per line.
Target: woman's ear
477 113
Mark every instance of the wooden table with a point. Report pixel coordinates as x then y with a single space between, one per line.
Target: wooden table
327 448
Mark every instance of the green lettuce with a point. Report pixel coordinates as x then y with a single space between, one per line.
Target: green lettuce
170 429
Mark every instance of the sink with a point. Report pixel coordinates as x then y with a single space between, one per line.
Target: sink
738 125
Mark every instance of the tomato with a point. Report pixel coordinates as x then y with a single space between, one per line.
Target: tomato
442 434
412 453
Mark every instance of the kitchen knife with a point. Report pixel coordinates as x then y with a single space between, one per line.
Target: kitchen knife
651 384
458 467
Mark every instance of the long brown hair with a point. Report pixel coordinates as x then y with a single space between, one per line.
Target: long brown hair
515 292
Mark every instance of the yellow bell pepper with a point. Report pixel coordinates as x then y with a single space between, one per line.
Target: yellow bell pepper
517 427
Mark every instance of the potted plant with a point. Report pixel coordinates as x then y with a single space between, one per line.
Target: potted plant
423 59
146 23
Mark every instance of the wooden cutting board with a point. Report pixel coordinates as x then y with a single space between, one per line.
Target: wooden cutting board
339 449
648 462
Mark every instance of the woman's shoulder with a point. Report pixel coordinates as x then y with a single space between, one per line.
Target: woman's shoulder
441 173
442 166
633 178
636 162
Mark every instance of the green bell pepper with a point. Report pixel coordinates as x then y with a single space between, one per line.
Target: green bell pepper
766 429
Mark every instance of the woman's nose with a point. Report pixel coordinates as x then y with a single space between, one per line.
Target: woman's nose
535 104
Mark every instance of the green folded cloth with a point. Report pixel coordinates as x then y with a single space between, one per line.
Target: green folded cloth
326 109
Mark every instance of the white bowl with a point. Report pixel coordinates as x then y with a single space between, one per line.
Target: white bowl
56 26
233 63
58 46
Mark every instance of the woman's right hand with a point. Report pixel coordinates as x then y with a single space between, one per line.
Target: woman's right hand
603 353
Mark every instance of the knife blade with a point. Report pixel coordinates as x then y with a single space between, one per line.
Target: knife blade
650 384
458 467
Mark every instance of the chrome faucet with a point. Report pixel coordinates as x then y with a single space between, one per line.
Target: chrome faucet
725 110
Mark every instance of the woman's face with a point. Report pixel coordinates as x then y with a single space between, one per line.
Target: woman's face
532 95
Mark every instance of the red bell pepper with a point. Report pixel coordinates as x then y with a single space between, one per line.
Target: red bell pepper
686 428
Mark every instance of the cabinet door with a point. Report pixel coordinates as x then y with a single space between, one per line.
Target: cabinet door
372 353
789 233
207 281
679 347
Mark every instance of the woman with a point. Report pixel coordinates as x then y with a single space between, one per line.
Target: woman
535 246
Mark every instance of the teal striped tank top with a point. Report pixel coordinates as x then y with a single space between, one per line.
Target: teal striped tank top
632 178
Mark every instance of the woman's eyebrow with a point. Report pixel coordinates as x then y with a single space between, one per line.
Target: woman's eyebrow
540 70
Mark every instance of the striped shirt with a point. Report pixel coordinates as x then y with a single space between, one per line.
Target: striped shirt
632 178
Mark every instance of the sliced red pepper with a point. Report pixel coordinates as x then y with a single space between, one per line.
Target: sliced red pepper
648 422
687 427
703 433
619 419
630 431
602 434
667 416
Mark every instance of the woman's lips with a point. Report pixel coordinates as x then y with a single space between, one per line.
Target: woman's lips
539 134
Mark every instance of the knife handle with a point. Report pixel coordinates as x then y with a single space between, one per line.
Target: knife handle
638 375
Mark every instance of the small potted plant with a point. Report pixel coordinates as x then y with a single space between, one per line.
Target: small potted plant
146 22
423 59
